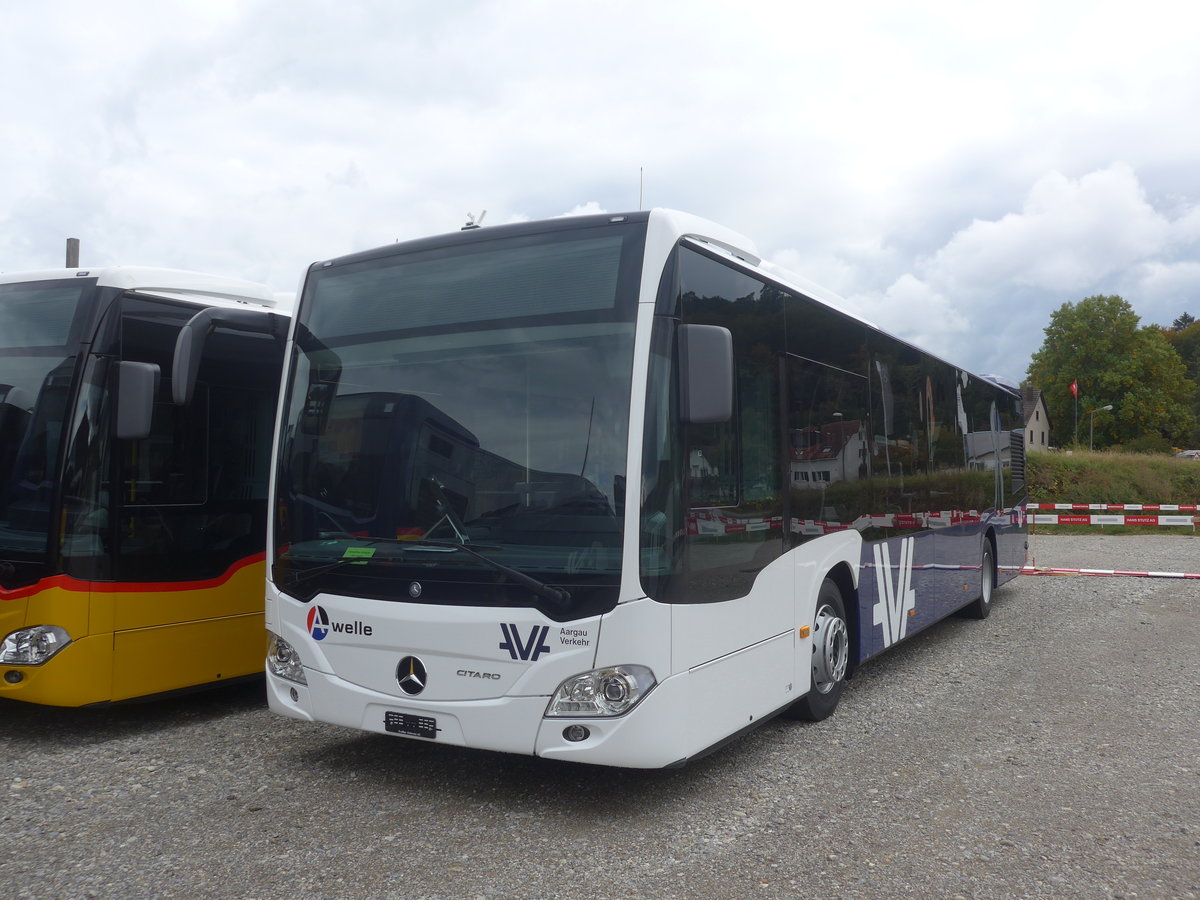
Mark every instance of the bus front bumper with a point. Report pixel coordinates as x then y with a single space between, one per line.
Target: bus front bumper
649 736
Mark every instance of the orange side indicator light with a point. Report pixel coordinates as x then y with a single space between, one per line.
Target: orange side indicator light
805 631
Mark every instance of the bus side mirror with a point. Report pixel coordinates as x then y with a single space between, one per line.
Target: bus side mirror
189 346
137 386
706 374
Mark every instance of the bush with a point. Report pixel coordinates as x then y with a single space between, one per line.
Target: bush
1147 443
1112 477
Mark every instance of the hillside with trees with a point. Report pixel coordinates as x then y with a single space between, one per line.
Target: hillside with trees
1147 374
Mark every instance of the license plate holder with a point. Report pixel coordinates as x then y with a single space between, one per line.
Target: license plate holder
410 725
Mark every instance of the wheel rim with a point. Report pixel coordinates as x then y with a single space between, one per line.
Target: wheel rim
988 581
831 649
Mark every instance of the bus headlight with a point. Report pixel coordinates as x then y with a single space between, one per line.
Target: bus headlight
282 660
33 646
611 691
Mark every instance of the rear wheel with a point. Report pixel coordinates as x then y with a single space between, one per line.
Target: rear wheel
830 657
982 607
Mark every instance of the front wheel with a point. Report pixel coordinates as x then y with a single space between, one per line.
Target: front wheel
830 657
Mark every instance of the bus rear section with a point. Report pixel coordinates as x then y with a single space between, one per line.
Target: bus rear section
132 528
609 490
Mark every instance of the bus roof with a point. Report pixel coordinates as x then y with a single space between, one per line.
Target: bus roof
216 290
665 228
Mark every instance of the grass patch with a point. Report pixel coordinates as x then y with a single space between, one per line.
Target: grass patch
1112 477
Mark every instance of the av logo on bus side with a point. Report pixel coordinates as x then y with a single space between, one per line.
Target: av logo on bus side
531 649
895 602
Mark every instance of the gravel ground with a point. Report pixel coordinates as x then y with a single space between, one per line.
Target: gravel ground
1052 750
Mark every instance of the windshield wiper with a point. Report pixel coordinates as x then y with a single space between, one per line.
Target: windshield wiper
556 595
447 511
543 590
548 592
294 578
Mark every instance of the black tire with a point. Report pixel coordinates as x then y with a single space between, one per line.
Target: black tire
830 657
981 608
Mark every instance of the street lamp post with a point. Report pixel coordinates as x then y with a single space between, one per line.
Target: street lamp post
1092 425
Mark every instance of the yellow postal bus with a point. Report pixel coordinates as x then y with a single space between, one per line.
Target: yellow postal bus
132 515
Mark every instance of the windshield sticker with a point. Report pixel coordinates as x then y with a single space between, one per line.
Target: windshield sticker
358 555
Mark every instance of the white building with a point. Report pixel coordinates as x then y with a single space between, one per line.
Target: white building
833 452
1037 422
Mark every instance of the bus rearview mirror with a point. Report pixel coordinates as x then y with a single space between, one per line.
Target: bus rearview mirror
189 346
137 386
706 374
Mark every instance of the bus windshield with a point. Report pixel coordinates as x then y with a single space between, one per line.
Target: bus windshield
37 364
457 422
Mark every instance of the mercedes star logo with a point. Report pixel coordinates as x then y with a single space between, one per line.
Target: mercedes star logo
411 675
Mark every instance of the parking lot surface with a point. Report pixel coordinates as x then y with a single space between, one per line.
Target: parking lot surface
1052 750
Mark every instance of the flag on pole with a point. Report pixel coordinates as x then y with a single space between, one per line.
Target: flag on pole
1075 389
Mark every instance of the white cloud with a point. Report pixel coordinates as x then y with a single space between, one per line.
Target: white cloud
984 296
1070 234
1185 231
1162 291
591 208
938 324
930 163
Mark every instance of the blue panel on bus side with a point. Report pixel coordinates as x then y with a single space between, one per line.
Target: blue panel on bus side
959 554
898 591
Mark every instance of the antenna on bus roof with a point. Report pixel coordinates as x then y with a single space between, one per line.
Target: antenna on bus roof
472 222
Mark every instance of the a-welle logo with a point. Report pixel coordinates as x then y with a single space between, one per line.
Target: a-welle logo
320 625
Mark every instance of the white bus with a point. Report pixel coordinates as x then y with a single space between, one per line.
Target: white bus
610 489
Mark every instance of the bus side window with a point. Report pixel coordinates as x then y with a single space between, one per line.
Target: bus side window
828 444
191 497
712 465
734 468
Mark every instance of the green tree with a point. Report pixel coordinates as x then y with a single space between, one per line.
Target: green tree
1186 341
1182 322
1099 344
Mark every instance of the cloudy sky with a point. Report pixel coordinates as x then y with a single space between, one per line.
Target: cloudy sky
956 171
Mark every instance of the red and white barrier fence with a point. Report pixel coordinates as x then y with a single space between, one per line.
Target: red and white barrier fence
1153 514
1117 506
708 522
1145 514
1115 514
1046 570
